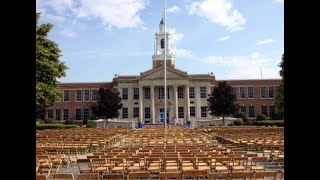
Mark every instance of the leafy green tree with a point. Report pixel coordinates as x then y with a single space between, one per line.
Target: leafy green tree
280 94
222 101
48 68
108 104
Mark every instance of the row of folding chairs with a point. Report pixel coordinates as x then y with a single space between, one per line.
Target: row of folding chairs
199 174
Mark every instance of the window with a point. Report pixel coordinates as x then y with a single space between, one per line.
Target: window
234 91
79 95
85 114
180 112
251 111
78 114
124 93
124 113
162 43
193 111
180 92
66 95
86 95
147 113
94 95
58 114
203 93
263 92
161 93
243 109
50 113
264 110
135 112
272 110
191 92
135 93
243 92
271 92
147 93
203 111
250 93
65 114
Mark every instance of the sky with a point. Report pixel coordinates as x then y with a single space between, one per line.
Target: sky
234 39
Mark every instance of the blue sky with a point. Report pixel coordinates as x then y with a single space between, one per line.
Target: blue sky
231 38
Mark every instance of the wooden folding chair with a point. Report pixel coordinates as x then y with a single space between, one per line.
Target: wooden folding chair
265 174
220 175
41 177
112 176
89 176
169 175
196 173
242 174
254 166
139 175
84 165
45 164
63 176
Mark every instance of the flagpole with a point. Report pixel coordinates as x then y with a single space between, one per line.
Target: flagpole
165 75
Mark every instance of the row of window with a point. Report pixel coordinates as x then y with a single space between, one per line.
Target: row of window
264 110
147 94
81 95
147 112
248 92
80 114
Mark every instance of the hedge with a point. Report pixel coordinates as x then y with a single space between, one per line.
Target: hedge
238 122
55 126
279 123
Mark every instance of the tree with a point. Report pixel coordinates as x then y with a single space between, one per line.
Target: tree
108 104
222 101
280 94
48 68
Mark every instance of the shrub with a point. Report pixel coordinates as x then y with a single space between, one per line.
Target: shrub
238 122
85 122
55 126
279 123
68 121
91 124
261 117
243 116
48 121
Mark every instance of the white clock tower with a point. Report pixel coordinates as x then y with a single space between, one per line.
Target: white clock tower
158 56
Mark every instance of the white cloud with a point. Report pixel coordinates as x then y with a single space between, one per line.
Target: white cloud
52 18
119 14
279 1
68 33
175 36
265 41
224 38
244 67
254 55
59 6
183 53
173 9
220 12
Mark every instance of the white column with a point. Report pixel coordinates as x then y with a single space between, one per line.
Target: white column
153 115
141 104
197 101
175 98
187 103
